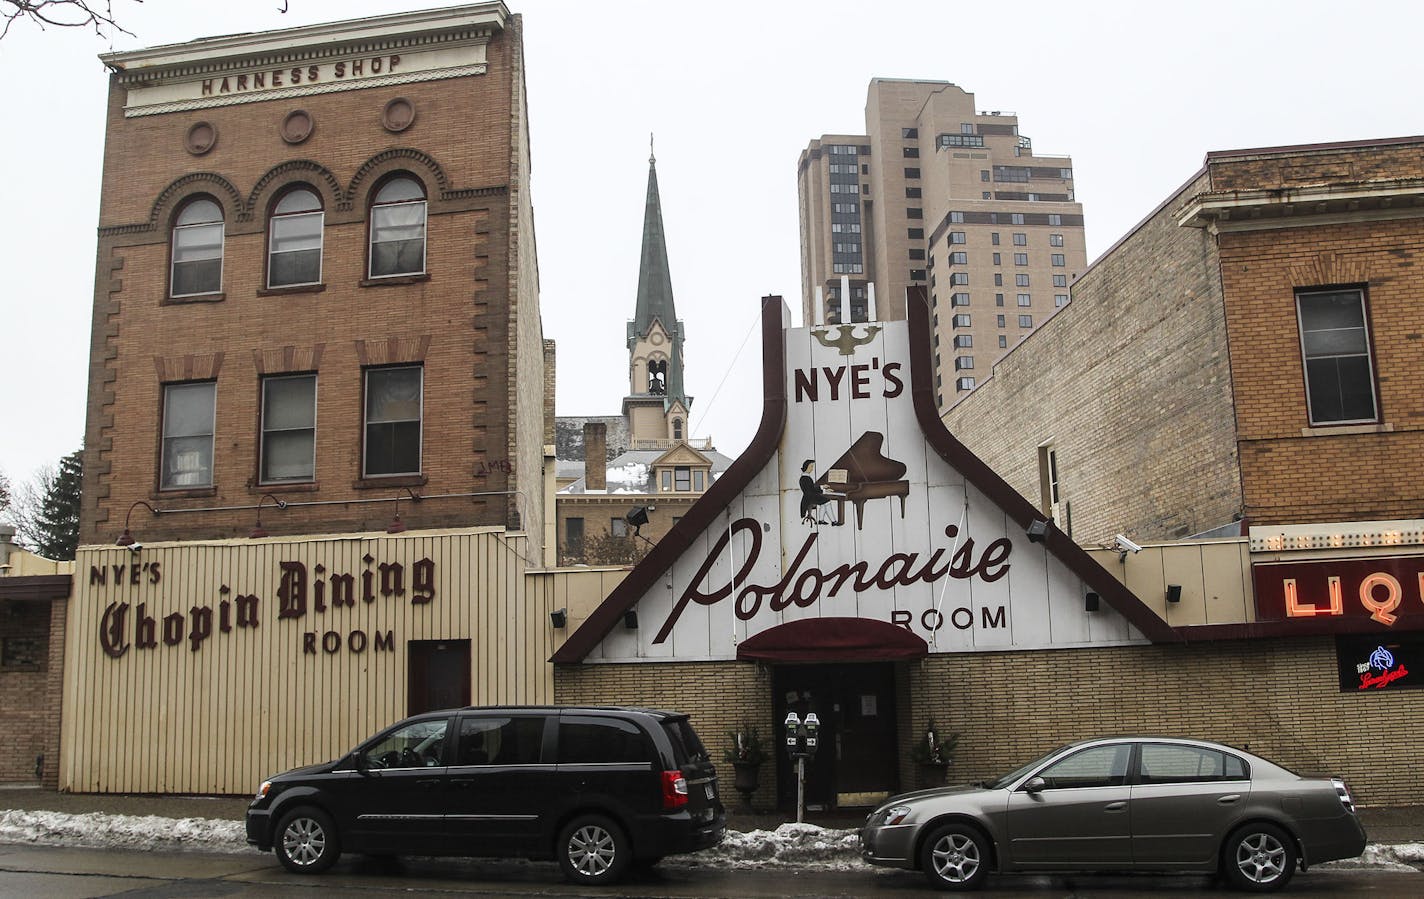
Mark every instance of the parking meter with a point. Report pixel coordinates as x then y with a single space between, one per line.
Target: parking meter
812 731
793 734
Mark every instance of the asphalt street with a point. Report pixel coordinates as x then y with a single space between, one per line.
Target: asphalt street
34 871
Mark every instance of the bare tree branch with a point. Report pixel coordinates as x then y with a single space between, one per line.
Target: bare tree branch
62 14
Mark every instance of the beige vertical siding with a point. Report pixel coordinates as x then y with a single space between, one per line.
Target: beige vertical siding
252 701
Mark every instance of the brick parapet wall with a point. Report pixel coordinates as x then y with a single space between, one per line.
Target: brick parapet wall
1131 383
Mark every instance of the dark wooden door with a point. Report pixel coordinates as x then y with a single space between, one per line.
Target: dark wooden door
856 705
439 676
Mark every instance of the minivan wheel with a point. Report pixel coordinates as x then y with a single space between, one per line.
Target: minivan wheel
306 841
955 857
593 850
1259 858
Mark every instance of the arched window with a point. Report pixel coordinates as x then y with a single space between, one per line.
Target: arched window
398 229
677 429
197 249
657 377
294 240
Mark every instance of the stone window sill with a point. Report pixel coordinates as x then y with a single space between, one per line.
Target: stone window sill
1341 430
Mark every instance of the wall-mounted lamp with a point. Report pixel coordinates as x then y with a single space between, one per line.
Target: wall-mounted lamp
1037 530
258 531
559 618
636 518
630 619
397 526
1174 593
126 538
1090 602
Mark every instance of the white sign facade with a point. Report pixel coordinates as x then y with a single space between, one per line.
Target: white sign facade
856 515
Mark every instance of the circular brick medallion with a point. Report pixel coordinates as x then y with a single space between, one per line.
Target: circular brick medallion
398 115
201 137
297 126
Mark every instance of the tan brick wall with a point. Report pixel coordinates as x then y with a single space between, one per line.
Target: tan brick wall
474 323
1277 698
30 696
1131 384
1372 475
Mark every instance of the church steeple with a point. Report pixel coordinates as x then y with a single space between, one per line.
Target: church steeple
655 335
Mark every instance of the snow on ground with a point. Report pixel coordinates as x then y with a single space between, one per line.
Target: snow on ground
789 846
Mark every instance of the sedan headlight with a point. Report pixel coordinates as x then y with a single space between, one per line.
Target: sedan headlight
894 815
263 790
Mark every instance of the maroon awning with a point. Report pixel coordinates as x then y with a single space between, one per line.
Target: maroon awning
832 640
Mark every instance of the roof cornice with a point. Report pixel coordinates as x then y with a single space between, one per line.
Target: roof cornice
424 28
1313 204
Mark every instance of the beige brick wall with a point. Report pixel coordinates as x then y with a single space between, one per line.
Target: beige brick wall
1131 384
1278 698
30 696
474 322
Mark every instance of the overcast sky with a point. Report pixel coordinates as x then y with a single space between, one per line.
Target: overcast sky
1135 92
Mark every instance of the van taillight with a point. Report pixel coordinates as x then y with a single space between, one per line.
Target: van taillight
674 790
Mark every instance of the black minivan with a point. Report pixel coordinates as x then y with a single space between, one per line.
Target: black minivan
598 788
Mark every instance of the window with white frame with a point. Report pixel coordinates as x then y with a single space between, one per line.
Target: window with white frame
197 249
288 451
394 410
294 240
189 412
1335 345
398 229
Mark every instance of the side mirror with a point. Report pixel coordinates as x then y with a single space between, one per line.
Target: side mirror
1034 785
363 767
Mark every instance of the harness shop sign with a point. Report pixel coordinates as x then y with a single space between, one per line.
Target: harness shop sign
856 515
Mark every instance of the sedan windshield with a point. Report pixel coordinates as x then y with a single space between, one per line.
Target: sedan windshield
1003 782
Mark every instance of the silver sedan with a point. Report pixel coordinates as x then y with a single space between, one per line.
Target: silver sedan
1126 803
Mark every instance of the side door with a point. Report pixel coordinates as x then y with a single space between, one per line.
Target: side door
1073 813
606 763
498 781
1184 800
396 803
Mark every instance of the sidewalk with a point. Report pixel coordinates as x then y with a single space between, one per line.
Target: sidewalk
1385 824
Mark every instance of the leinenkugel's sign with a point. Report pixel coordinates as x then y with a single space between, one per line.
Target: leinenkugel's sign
856 516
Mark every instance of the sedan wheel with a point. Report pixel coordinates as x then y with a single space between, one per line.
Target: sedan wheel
306 841
1259 858
593 850
955 857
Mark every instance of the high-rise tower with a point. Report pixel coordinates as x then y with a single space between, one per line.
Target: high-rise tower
938 194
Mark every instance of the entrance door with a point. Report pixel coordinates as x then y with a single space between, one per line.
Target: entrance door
855 765
439 675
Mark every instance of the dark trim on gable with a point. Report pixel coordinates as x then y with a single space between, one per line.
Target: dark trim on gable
36 587
1020 510
704 512
758 454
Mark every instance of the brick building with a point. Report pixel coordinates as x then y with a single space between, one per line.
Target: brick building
317 287
940 194
320 400
34 600
1257 330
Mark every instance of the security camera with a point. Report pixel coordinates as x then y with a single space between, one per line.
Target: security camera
135 548
1125 545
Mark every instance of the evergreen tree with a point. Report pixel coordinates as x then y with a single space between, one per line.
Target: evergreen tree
54 525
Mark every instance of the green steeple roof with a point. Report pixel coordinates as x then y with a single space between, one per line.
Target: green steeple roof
655 301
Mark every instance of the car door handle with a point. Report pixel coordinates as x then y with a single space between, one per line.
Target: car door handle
427 782
1227 800
1115 806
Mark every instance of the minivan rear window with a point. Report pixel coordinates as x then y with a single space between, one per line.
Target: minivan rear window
686 746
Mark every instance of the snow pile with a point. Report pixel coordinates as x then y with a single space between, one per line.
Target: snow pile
790 845
632 474
1390 856
97 830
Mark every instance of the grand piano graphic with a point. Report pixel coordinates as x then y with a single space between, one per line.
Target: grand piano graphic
863 473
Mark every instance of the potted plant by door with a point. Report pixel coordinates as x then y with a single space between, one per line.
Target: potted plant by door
746 755
934 751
